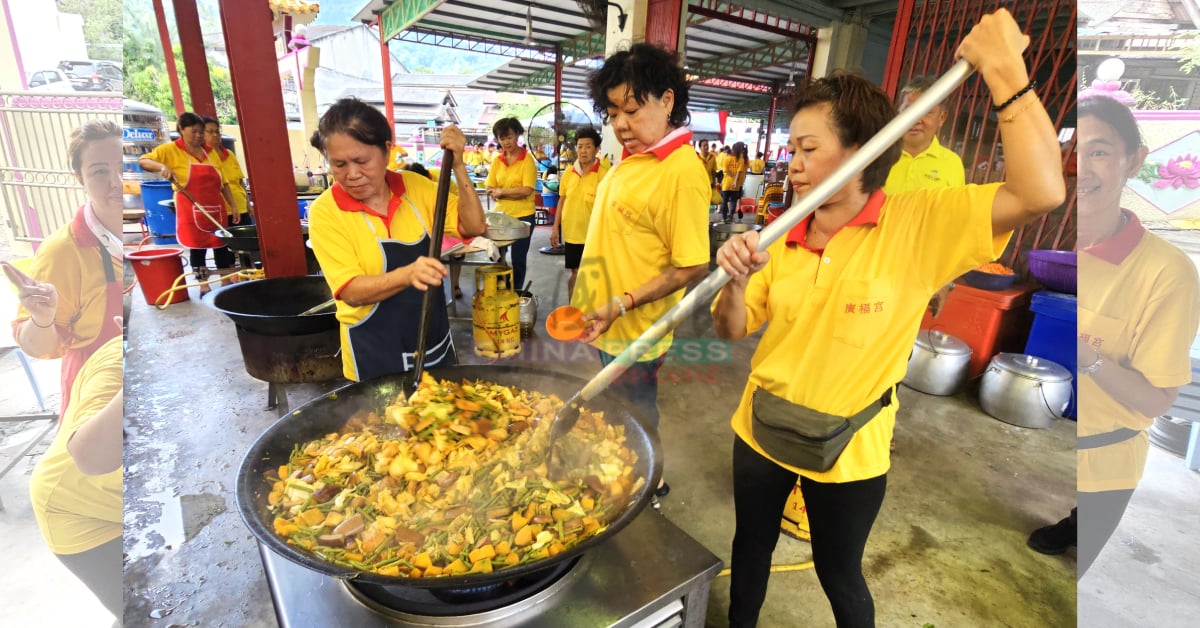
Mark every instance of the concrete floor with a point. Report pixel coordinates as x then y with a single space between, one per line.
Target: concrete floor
947 550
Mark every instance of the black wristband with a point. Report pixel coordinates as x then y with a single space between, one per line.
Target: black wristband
1002 106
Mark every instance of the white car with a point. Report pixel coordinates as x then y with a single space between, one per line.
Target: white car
50 81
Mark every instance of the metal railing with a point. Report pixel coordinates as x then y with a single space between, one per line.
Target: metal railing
38 189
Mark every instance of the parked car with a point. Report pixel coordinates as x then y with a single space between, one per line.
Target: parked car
92 76
50 81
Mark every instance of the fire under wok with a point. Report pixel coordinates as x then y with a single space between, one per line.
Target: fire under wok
331 412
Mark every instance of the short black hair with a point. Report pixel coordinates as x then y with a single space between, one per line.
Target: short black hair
316 141
919 85
858 109
760 155
187 120
1116 115
210 120
357 119
504 126
646 70
589 133
419 169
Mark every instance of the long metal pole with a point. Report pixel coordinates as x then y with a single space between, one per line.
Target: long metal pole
707 289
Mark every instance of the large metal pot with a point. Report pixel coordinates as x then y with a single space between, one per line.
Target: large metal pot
1024 390
938 364
243 239
277 344
330 412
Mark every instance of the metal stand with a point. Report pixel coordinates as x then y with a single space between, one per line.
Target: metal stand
277 398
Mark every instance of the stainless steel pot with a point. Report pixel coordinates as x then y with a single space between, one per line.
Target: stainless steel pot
1024 390
939 363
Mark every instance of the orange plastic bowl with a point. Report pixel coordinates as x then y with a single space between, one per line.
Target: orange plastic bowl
565 323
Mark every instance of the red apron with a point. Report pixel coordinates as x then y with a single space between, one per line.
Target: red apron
73 359
192 228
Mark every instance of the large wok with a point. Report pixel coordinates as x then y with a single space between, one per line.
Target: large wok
271 307
330 412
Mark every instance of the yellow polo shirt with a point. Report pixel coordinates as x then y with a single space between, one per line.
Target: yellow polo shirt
934 167
722 160
473 158
578 191
175 157
232 175
735 175
78 512
520 173
650 214
840 324
78 276
758 166
710 166
346 246
1139 306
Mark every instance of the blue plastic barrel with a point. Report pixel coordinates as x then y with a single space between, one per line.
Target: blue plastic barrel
159 218
1054 332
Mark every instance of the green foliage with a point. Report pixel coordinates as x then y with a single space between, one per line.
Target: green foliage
1151 101
1189 58
145 69
102 29
522 107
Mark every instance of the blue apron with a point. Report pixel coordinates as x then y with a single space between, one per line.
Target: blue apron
384 342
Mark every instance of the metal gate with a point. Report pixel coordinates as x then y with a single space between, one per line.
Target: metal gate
924 40
40 193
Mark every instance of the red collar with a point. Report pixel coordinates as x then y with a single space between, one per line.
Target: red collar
520 156
666 145
80 232
594 168
183 147
1115 249
868 215
348 203
221 151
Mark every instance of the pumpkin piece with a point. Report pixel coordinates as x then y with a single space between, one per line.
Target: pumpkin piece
485 553
457 567
422 561
524 537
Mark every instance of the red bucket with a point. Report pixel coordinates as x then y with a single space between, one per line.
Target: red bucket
157 270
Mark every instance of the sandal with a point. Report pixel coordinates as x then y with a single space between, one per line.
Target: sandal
662 491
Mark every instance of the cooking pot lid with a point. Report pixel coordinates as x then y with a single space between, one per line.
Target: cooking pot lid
941 343
1032 367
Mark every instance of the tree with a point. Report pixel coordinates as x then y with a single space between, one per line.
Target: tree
102 28
146 77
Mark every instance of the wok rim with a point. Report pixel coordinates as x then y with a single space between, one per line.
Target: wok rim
249 504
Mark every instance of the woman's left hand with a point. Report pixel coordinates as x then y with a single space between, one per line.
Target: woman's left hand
454 140
235 219
598 322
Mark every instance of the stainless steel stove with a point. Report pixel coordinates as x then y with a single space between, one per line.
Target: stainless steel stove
651 574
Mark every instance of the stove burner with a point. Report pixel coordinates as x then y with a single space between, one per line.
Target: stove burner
453 602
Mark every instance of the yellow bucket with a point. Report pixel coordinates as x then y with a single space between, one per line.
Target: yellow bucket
795 516
496 313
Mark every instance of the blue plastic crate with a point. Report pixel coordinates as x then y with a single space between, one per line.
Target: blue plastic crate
1053 333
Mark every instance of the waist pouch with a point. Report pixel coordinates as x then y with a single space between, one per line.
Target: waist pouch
1095 441
803 437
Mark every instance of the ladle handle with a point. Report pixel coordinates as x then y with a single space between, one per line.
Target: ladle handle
707 289
435 251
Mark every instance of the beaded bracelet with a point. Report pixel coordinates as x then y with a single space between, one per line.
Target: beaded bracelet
1020 93
621 305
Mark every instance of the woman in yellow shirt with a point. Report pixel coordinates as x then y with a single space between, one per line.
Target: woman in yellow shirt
731 185
510 182
1139 303
231 172
850 296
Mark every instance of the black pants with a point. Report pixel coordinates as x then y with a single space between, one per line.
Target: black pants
840 517
100 569
729 202
222 257
1096 519
520 256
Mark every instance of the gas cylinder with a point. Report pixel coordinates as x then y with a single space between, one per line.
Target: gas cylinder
496 313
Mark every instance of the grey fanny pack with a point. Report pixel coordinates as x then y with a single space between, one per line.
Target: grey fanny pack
803 437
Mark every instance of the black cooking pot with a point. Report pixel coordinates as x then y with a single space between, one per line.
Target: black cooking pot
330 413
241 238
271 307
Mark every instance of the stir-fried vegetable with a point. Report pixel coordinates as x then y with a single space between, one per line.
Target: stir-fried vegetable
450 482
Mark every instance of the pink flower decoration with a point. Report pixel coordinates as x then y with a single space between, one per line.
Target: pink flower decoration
1179 171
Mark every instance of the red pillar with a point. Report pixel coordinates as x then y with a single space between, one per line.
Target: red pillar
250 43
662 23
187 22
891 74
164 37
385 55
